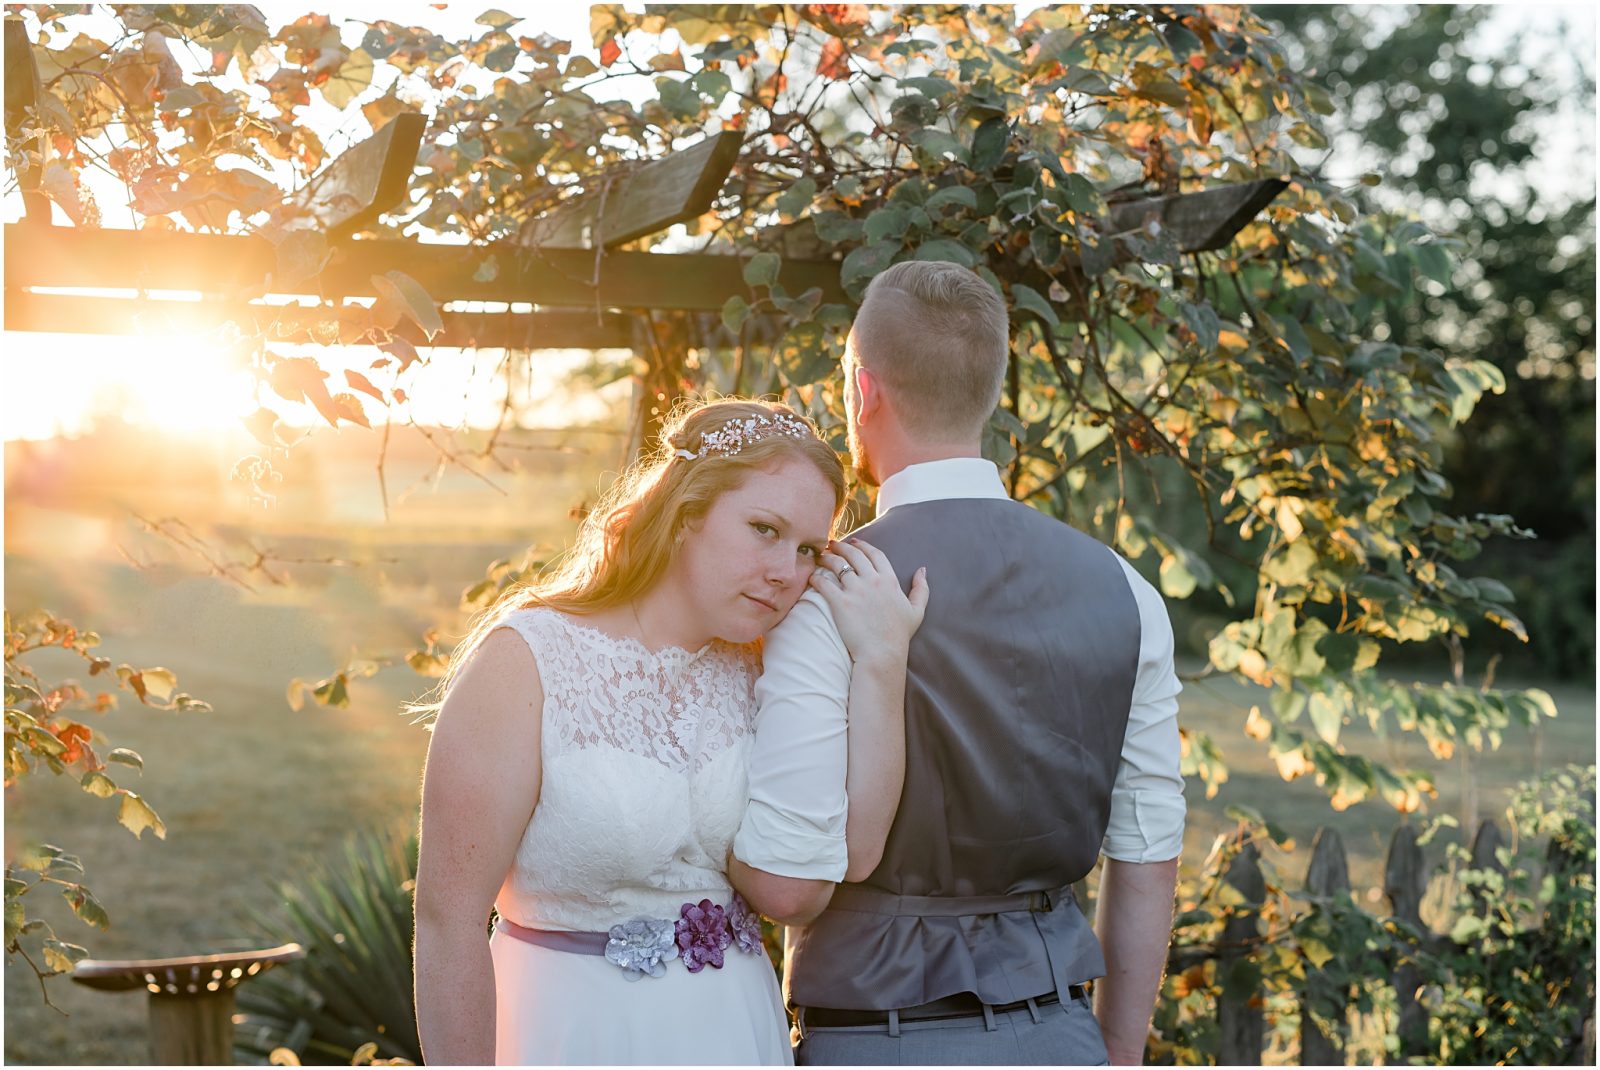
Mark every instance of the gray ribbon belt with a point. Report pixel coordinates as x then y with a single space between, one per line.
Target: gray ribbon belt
555 940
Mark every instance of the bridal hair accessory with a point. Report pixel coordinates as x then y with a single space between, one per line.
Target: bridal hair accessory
741 431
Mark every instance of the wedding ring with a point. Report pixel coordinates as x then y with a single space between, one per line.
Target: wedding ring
843 572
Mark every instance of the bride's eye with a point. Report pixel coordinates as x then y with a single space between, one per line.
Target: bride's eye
764 530
810 551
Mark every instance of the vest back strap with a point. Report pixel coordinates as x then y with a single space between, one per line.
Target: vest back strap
862 899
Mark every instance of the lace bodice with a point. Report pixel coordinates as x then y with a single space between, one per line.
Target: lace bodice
644 776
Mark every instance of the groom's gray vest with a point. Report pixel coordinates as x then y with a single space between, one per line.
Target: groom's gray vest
1017 697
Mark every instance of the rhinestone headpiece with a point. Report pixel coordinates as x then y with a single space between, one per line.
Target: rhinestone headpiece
741 431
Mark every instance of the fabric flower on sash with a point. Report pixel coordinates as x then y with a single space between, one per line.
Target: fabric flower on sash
643 946
703 934
746 925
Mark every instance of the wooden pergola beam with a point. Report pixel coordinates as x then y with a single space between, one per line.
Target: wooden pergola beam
678 187
237 266
1199 222
78 314
366 180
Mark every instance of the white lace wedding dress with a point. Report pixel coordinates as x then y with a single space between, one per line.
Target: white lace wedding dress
644 785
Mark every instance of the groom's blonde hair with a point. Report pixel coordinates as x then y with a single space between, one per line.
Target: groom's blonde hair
937 335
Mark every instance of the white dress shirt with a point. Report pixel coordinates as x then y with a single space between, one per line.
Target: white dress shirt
795 823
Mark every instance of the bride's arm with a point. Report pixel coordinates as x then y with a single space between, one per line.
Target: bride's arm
479 788
876 622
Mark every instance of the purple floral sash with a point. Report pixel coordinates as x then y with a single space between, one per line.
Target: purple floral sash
643 946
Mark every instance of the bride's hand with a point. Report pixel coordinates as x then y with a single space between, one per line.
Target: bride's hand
875 618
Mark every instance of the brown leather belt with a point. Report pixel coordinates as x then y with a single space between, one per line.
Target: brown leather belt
960 1005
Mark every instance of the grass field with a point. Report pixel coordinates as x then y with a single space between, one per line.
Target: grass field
253 790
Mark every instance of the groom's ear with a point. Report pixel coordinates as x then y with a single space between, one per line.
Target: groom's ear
869 389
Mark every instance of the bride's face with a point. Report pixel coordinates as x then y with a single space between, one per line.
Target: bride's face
745 563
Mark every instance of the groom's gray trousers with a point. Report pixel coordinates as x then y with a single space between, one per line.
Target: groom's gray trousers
1051 1034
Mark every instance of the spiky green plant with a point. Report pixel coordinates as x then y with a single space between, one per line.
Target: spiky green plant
354 918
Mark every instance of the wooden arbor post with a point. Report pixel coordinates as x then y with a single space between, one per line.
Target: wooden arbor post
191 998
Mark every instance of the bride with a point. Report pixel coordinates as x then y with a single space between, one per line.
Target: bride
587 770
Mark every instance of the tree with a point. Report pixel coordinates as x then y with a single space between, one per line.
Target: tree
1253 384
1452 115
43 732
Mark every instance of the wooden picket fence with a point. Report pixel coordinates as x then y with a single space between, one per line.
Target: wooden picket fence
1242 1021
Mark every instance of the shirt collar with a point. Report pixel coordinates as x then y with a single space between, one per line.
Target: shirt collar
954 477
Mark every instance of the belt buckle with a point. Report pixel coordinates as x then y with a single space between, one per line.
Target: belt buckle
1039 903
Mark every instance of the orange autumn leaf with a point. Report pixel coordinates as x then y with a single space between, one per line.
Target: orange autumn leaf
834 63
609 52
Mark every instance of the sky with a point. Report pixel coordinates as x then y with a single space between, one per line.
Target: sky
189 384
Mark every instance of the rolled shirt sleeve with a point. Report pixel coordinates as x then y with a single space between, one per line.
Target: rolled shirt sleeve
1147 807
794 824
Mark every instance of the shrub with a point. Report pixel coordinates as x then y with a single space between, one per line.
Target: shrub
354 987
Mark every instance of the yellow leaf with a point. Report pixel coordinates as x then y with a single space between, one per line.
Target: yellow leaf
1442 748
1256 726
1254 666
1233 340
297 690
160 682
283 1057
136 816
1293 764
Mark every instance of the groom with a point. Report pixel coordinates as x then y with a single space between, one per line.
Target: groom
1041 733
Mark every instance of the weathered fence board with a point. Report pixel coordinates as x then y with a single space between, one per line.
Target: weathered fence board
1240 1022
1405 879
1328 876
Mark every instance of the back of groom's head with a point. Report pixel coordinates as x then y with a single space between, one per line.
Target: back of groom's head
936 335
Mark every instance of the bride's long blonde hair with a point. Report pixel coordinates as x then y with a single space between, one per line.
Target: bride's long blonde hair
627 541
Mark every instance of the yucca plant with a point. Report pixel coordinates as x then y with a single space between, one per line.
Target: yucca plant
354 918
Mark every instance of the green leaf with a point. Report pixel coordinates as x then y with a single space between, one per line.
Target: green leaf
497 19
86 906
803 355
302 254
1327 715
890 221
1541 699
16 916
1204 322
60 956
962 195
1433 260
353 77
931 87
1029 298
866 261
836 227
1339 650
1176 579
136 816
735 310
939 144
946 249
1491 590
411 299
762 269
989 143
797 198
